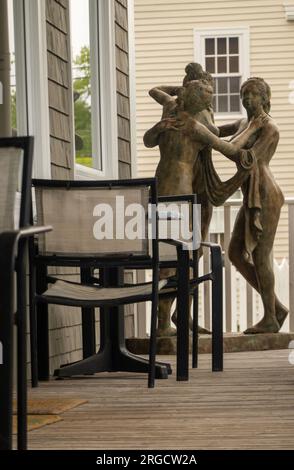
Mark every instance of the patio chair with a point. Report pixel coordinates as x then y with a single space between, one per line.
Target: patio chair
168 258
15 184
72 208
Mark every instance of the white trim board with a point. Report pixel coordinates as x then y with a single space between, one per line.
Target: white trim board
132 85
31 74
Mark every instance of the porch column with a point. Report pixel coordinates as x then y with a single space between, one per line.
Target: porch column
5 113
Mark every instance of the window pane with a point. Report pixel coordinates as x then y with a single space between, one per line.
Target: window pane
221 65
223 104
222 86
234 45
234 64
81 73
214 86
221 46
209 46
210 64
234 85
235 103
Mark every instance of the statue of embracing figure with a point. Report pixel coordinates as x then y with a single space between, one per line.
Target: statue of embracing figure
185 136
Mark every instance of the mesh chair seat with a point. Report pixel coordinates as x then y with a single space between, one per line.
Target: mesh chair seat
73 293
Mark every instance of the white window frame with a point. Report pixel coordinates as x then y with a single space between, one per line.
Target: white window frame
32 104
243 32
103 97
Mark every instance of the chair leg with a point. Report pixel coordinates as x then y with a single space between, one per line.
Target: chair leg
152 345
42 326
6 341
21 350
33 320
195 329
217 310
195 318
183 316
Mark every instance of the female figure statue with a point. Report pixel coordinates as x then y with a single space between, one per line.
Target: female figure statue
256 224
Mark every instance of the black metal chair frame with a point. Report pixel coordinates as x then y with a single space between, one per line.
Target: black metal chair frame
216 278
12 242
185 287
13 259
87 264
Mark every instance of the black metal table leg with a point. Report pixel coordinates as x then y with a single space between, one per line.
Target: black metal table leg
88 320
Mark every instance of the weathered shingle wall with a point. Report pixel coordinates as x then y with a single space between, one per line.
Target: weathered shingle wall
122 74
60 88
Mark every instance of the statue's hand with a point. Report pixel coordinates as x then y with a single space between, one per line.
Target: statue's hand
188 125
167 124
257 123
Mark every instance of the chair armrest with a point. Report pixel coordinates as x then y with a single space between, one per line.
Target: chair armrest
210 245
216 254
30 231
177 243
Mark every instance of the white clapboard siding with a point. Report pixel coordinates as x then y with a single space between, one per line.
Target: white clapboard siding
164 40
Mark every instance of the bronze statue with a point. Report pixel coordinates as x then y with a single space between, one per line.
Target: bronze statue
180 139
255 227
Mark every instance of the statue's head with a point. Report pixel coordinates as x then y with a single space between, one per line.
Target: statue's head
255 92
195 96
194 71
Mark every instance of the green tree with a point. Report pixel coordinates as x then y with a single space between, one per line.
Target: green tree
82 107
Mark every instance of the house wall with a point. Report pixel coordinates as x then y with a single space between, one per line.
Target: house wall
65 322
165 44
60 89
122 78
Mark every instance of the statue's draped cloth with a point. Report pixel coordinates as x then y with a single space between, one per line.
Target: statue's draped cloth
247 176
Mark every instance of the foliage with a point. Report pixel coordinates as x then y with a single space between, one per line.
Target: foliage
82 106
13 109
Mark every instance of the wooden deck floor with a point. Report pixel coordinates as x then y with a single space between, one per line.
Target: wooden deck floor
248 406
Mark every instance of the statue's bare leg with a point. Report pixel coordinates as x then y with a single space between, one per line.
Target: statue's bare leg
248 270
164 327
201 330
266 282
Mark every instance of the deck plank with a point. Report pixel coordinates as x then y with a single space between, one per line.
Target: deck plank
248 406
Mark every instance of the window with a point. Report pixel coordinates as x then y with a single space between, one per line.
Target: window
93 81
225 54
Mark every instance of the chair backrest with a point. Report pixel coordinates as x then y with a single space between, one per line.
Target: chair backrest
16 156
94 218
179 218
